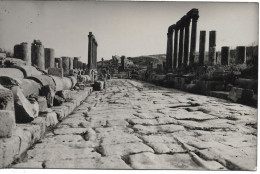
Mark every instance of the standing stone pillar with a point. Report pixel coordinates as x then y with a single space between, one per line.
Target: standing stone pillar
122 63
194 14
212 47
225 54
202 47
186 41
180 46
21 52
79 64
75 62
37 54
175 55
167 52
90 50
66 65
49 58
240 55
170 53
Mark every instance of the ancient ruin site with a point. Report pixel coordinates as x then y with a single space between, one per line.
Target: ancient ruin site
81 88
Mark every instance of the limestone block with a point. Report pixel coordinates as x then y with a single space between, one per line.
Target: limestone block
240 94
51 118
98 86
49 94
44 80
7 123
55 72
61 111
25 111
42 104
65 94
6 99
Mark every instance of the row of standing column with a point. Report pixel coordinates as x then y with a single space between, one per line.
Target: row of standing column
177 55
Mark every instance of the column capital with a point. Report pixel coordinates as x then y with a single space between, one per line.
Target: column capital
193 14
171 28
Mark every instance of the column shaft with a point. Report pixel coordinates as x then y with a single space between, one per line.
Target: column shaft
180 48
193 39
175 48
186 43
202 47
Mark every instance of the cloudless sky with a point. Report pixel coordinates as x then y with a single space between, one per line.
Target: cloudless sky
122 28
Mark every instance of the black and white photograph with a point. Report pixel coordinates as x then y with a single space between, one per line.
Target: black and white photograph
129 85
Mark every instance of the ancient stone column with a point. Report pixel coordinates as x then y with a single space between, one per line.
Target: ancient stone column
122 63
180 56
186 40
66 65
225 55
240 54
84 66
167 52
79 64
21 52
212 48
49 58
90 50
170 53
202 47
37 54
194 14
175 55
75 62
102 61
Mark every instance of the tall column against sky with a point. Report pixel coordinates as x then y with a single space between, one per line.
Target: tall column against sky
170 49
37 54
175 55
49 57
202 47
167 52
212 48
194 14
90 49
21 52
240 54
180 56
186 40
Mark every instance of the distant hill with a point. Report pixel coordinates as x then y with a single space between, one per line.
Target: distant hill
145 60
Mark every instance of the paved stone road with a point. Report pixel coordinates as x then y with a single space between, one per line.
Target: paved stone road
134 125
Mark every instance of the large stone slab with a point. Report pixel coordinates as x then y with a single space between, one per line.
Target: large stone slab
119 138
125 149
149 160
158 129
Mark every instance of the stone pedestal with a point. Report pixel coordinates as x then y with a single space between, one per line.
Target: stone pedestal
37 54
202 47
240 55
225 55
49 58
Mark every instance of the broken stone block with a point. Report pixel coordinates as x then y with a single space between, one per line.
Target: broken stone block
240 94
81 86
42 104
56 72
49 94
7 123
98 86
67 83
6 99
50 118
58 83
73 80
65 94
58 100
25 111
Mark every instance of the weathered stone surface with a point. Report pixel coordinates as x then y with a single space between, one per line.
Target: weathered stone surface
6 99
55 72
149 160
49 94
125 149
119 138
42 104
196 116
11 72
65 94
27 111
64 131
157 129
7 123
51 118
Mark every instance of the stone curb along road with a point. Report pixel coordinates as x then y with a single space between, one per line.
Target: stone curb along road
25 135
137 125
